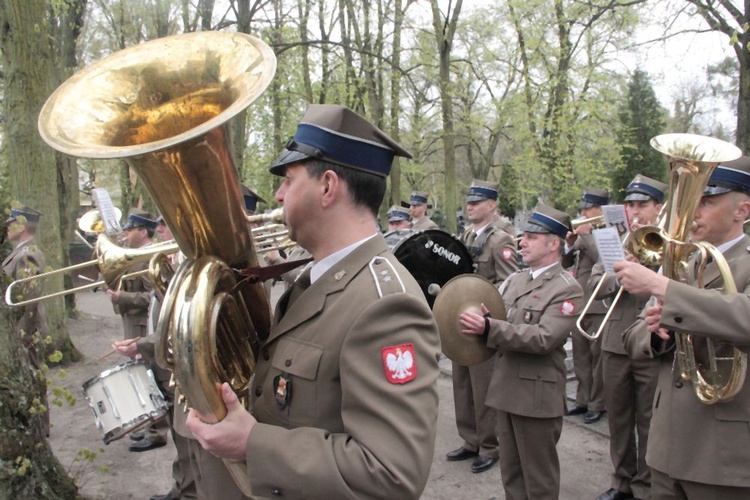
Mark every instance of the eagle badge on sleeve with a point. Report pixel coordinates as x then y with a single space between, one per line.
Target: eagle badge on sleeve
568 307
400 363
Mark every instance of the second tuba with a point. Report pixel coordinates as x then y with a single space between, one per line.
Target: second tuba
164 107
716 371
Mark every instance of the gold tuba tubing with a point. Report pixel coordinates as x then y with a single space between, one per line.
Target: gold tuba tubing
164 107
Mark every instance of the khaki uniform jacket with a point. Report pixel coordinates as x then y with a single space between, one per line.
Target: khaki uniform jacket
528 378
498 257
505 224
423 224
336 427
581 257
28 260
626 311
690 440
135 297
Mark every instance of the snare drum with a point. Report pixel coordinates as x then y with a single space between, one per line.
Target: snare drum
431 256
124 399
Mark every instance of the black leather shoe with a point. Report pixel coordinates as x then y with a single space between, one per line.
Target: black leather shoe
613 494
578 410
482 464
136 436
592 416
145 445
460 454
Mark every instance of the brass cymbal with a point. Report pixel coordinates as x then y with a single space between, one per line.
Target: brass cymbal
466 293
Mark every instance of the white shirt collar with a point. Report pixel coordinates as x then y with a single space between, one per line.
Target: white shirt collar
319 268
539 271
479 231
729 244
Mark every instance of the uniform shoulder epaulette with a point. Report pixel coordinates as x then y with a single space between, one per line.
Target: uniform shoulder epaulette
567 277
506 281
387 279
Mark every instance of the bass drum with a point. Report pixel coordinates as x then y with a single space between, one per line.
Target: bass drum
432 256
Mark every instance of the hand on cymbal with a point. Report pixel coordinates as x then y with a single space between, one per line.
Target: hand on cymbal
472 323
228 438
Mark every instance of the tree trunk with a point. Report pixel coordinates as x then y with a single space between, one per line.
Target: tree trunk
69 25
395 111
28 469
743 101
444 32
29 80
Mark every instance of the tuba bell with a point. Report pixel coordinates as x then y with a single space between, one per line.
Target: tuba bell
164 107
719 375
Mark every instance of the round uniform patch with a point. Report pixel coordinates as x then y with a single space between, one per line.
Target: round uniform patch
507 254
399 363
568 307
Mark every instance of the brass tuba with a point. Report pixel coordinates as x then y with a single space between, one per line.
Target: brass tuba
720 373
164 107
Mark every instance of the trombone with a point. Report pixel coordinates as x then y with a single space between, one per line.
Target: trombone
112 260
274 236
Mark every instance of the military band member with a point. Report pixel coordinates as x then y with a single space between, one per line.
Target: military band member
495 258
528 376
27 260
184 482
131 301
420 221
398 219
581 254
344 398
629 384
695 450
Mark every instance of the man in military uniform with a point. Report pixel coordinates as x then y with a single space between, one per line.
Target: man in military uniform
398 219
528 377
495 258
697 450
184 482
629 384
581 255
418 209
345 390
131 301
24 261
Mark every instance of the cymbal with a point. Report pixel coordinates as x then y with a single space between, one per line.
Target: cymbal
466 293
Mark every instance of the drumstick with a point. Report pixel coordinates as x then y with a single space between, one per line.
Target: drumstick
112 351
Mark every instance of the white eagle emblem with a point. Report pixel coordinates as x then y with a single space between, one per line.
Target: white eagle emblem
400 364
568 307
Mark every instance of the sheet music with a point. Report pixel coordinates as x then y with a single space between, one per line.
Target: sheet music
610 247
615 216
107 210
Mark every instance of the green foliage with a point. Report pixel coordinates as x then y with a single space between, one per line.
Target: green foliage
83 461
641 118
